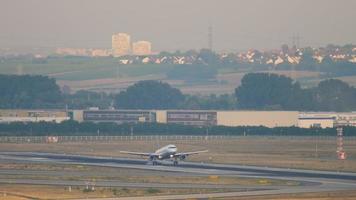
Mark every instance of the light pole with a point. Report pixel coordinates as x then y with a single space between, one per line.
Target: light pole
207 133
131 134
316 143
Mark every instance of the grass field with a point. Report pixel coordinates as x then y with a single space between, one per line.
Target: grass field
344 195
95 174
85 173
29 192
80 68
90 173
106 74
16 193
43 192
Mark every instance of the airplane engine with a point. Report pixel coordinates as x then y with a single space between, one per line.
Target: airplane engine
182 157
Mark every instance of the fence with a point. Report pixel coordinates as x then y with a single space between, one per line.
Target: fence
108 139
63 139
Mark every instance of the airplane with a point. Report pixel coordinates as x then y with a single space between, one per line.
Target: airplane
166 152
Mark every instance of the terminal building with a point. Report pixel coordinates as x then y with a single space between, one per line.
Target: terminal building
117 116
192 117
8 116
258 118
345 119
188 117
222 118
316 120
326 119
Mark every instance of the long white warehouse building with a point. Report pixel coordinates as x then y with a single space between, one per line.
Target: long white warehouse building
188 117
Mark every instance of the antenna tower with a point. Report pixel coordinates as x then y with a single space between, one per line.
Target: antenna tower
210 37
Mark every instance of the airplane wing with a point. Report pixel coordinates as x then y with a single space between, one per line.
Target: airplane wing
189 153
138 153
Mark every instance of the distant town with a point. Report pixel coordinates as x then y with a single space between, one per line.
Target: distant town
142 52
121 46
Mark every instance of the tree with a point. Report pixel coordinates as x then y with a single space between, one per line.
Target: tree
209 57
335 95
149 95
285 49
83 99
327 61
29 92
307 62
229 60
222 102
266 91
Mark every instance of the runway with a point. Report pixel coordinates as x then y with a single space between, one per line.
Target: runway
310 180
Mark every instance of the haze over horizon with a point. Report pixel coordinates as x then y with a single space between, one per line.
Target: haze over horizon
176 25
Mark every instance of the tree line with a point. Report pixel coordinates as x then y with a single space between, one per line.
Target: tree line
328 67
274 92
258 91
29 92
73 128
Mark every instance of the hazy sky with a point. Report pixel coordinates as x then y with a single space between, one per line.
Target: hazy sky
177 24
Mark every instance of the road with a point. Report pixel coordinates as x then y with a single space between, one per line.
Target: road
310 180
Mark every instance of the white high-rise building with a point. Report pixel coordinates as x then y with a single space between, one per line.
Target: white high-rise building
120 44
141 48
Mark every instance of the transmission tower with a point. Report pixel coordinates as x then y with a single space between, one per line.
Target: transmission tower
210 37
296 40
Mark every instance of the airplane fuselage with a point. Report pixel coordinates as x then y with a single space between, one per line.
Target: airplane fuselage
166 152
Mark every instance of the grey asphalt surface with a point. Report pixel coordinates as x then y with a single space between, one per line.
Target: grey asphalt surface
311 180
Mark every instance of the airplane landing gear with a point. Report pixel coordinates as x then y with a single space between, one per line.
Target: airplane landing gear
154 162
175 163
